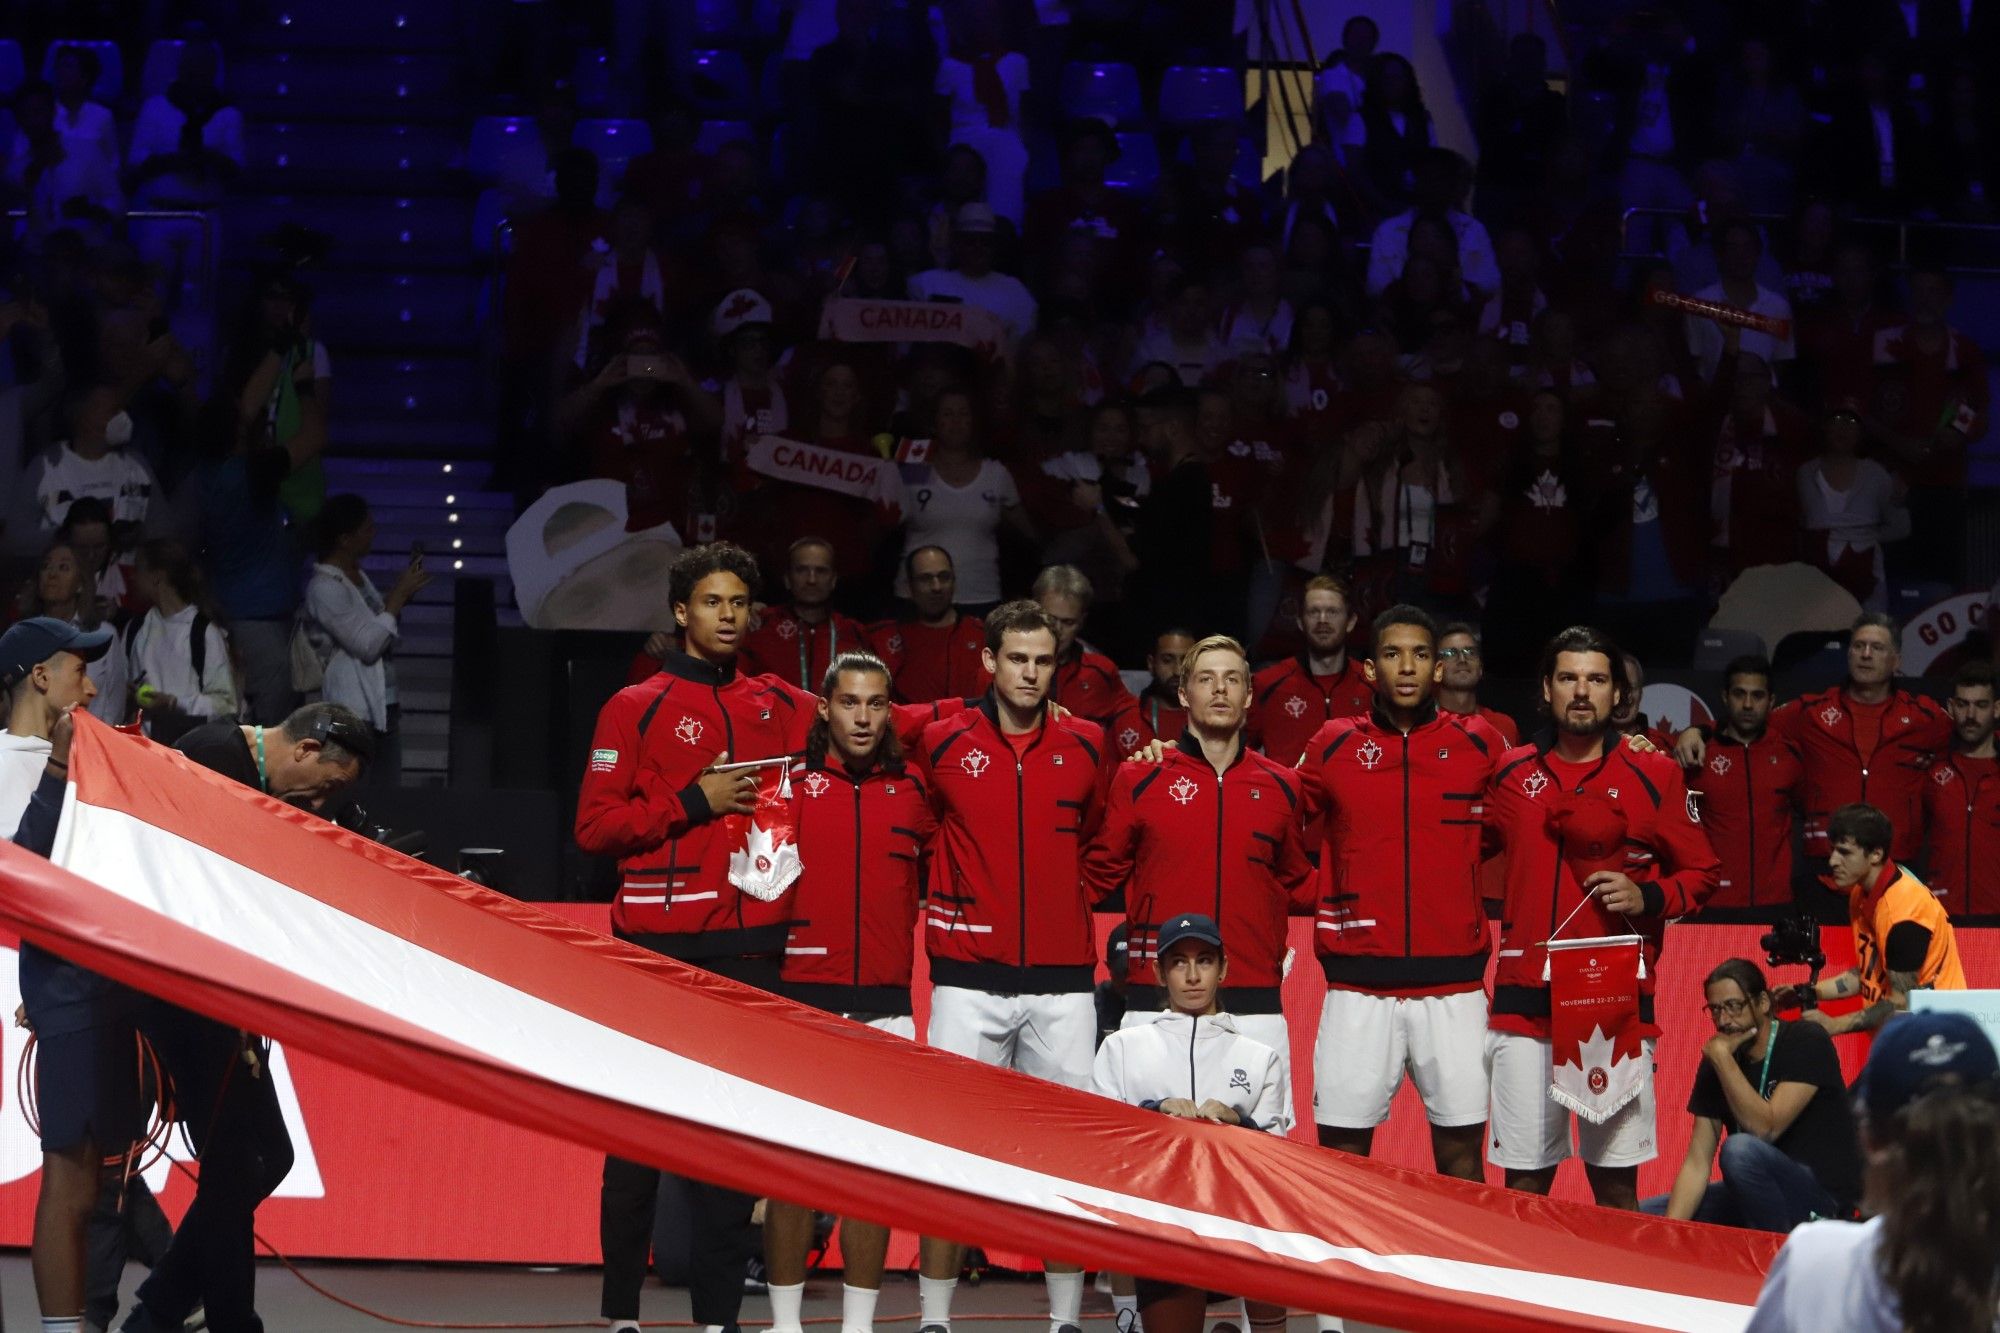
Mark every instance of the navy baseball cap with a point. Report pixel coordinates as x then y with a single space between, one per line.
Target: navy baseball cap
1187 926
38 638
1913 1050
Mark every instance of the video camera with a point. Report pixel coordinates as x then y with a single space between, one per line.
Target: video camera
354 819
1794 942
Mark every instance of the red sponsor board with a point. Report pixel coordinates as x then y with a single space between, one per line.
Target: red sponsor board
385 1173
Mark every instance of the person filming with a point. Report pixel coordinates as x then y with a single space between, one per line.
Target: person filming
1775 1088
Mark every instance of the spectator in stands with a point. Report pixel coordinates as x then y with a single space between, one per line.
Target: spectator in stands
1085 203
177 657
59 163
1462 658
752 400
1088 505
1739 248
1509 313
1837 342
1960 158
1929 1103
1849 507
628 278
1945 412
1520 121
1440 179
636 421
981 82
88 532
972 278
1160 702
62 590
1184 335
1087 682
524 174
1312 185
1260 318
936 652
280 380
1203 208
867 94
1874 146
1750 782
1537 585
1759 448
1792 1152
1762 124
1397 130
188 143
958 498
94 461
1342 83
354 627
797 641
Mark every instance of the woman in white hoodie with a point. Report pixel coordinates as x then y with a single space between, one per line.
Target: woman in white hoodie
1194 1065
353 627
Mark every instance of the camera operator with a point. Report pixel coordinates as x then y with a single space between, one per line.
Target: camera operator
1792 1152
1903 940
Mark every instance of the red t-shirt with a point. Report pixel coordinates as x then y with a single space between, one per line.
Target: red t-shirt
1867 726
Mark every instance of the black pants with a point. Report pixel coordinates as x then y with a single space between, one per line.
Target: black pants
126 1224
244 1151
723 1237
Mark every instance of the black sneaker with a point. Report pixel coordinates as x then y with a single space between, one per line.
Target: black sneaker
935 1328
1068 1328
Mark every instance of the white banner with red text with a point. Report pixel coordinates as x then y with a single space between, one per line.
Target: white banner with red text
854 320
863 476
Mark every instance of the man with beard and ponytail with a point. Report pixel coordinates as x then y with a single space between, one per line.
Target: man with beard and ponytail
1601 840
659 781
860 818
1402 935
1211 828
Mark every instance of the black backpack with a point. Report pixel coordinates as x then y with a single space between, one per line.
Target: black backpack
167 730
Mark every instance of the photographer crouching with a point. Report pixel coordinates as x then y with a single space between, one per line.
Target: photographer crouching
1792 1153
1903 939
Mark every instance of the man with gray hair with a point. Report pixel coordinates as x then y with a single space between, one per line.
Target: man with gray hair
1087 682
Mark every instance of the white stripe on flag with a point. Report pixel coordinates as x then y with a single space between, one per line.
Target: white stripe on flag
169 875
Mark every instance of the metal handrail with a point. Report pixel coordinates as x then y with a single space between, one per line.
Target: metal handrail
203 216
1901 227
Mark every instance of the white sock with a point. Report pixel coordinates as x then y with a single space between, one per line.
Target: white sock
786 1304
1065 1299
934 1299
711 1328
857 1309
1329 1323
624 1326
1119 1305
73 1324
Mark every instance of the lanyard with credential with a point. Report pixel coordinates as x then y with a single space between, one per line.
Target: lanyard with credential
1763 1075
263 780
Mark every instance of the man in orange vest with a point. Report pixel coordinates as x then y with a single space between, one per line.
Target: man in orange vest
1902 938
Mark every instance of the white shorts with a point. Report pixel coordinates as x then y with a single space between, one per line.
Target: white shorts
896 1025
1269 1029
1367 1042
1050 1036
1530 1132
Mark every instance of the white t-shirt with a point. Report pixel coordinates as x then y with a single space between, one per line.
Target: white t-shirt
955 79
1001 293
121 479
965 520
1705 335
161 656
158 133
22 759
1825 1281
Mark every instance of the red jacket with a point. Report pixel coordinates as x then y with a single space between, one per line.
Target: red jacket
1402 910
1288 704
934 663
1915 732
1088 684
853 908
641 801
1007 911
797 653
1748 797
1179 839
1664 849
1160 707
1962 822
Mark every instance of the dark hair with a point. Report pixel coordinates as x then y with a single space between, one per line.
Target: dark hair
171 558
1724 228
86 60
343 734
1404 614
698 562
1878 620
1974 675
909 561
1585 639
1017 617
1744 973
1175 632
1749 664
1940 1157
1863 825
339 516
819 736
84 509
1466 627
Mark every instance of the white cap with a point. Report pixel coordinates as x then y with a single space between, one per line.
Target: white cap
740 307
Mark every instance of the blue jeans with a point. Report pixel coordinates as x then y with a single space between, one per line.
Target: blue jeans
1761 1189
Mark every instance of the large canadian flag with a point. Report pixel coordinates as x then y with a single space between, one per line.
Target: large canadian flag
211 895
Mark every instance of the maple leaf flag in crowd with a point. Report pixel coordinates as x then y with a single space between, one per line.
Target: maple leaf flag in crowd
211 895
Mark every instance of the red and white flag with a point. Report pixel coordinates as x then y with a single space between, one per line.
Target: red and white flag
766 859
210 894
863 476
1598 1056
854 320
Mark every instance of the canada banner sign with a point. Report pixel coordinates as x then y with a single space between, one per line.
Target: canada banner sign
174 880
